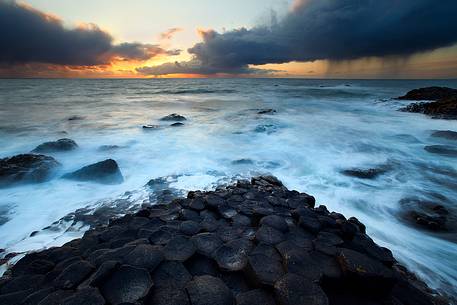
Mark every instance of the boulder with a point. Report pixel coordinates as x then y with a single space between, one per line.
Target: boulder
173 117
144 256
269 235
126 285
26 168
85 296
171 274
208 290
168 296
177 124
429 94
56 146
106 172
207 243
369 173
231 258
74 274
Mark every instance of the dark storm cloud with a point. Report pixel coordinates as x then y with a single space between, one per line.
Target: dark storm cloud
329 29
30 36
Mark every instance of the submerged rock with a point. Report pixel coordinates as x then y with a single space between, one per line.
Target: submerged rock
27 168
426 214
53 146
445 134
254 242
445 105
370 173
151 126
177 124
173 117
444 150
106 172
266 111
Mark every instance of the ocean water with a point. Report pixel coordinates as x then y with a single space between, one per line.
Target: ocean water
320 127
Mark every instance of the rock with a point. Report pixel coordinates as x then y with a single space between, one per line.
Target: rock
425 214
144 256
275 222
207 243
103 272
127 284
269 235
171 274
151 127
189 227
263 269
444 150
256 296
27 168
208 290
243 162
106 172
173 117
75 118
86 296
266 111
293 289
168 296
445 105
23 282
59 145
370 173
55 298
177 124
231 258
445 134
429 93
201 265
36 297
109 147
365 271
74 274
179 249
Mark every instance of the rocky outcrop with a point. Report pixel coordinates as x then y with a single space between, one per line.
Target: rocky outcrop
445 105
53 146
255 242
26 168
365 173
173 117
106 172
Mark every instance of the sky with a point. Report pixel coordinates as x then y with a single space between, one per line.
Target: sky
236 38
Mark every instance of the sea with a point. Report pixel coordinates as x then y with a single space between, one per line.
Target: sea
315 130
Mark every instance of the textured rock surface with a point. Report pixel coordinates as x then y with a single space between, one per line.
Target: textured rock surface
254 242
26 168
445 105
53 146
106 172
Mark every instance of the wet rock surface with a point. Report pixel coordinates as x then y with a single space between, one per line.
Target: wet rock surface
174 117
106 172
444 107
54 146
254 242
26 168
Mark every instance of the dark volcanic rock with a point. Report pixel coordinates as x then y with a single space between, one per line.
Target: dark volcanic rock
425 214
256 296
429 93
255 240
179 249
28 168
127 284
444 150
445 105
209 290
177 124
293 289
106 172
86 296
173 117
445 134
370 173
74 274
59 145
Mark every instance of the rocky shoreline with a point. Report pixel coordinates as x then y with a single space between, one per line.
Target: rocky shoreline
254 242
444 105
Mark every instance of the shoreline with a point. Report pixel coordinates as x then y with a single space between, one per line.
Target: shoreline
251 241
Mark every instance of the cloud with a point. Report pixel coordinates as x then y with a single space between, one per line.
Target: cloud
30 36
327 29
168 34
